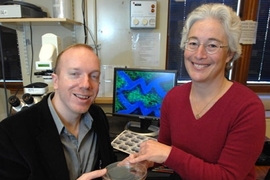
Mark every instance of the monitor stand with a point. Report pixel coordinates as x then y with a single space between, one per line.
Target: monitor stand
143 127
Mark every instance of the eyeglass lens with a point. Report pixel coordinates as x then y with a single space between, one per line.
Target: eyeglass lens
211 46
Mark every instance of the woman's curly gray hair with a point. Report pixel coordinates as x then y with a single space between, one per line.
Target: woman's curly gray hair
228 18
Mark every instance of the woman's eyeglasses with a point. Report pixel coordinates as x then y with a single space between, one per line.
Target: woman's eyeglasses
211 46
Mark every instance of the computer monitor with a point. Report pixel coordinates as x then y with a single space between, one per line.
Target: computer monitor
10 64
139 93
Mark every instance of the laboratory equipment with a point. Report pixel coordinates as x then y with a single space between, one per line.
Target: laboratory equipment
51 47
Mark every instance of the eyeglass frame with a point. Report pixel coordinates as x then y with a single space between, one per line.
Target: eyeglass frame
205 45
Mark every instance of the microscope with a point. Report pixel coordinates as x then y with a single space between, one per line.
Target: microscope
51 47
33 93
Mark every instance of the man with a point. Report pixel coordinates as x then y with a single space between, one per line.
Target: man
64 136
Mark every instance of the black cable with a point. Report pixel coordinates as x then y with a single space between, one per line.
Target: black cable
84 23
32 53
92 37
87 30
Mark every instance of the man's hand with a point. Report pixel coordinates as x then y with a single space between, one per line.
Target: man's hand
93 174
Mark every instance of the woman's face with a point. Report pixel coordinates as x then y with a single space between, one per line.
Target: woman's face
201 65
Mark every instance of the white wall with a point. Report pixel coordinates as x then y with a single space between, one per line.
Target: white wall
114 33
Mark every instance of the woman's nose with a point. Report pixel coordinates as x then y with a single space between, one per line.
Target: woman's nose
201 52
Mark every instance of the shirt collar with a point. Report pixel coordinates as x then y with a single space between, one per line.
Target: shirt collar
86 117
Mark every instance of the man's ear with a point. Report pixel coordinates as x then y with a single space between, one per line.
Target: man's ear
55 80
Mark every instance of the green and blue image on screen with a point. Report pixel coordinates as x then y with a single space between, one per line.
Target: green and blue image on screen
140 92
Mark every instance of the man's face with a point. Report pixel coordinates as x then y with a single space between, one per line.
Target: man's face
76 84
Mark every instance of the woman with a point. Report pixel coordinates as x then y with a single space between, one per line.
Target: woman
210 128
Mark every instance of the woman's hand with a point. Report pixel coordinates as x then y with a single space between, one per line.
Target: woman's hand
93 174
130 158
151 151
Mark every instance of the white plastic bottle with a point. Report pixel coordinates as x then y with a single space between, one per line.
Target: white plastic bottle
63 9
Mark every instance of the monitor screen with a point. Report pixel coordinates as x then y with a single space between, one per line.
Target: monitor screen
140 92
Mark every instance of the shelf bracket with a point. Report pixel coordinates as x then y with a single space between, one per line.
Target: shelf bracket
67 25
